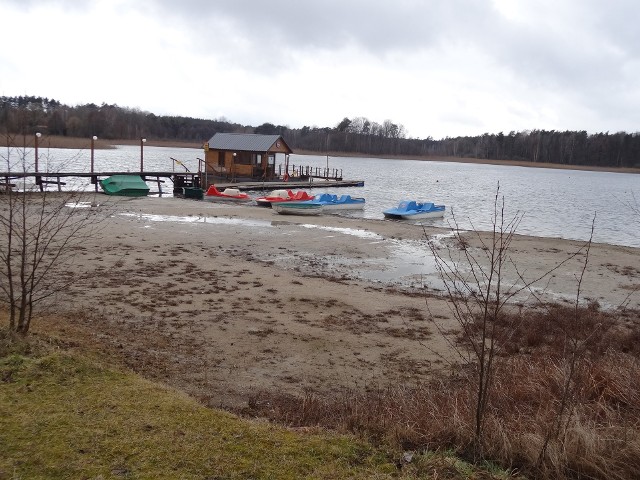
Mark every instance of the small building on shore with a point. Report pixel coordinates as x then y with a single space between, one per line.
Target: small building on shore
233 156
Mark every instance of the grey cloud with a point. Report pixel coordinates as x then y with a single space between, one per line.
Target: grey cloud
587 50
373 26
577 49
65 4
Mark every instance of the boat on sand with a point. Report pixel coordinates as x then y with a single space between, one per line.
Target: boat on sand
410 210
331 202
278 196
227 195
297 208
125 186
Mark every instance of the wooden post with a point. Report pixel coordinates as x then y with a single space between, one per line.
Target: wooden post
142 140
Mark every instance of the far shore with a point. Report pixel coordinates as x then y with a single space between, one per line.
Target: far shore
54 141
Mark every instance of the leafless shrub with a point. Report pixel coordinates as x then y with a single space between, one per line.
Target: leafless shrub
549 390
39 232
481 302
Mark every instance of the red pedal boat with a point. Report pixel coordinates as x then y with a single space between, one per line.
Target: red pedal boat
227 195
283 196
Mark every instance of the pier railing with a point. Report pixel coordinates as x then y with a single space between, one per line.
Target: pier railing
42 179
305 171
284 172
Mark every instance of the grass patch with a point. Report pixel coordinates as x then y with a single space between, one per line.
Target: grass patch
63 416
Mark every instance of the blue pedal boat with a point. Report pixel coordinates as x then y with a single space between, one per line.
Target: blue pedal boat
411 210
331 202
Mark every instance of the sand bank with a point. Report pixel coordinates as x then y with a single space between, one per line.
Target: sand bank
224 300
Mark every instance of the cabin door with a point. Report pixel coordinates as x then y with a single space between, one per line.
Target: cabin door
271 165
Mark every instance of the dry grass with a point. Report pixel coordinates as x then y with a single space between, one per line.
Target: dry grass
596 436
66 415
63 416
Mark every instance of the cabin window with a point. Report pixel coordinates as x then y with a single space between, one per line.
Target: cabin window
243 158
257 159
272 159
221 159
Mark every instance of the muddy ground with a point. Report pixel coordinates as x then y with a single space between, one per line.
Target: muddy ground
223 301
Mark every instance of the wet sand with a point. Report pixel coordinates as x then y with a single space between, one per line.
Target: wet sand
224 300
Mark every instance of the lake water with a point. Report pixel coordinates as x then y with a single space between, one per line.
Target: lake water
554 203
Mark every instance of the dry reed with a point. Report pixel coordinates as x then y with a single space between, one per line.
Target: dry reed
550 415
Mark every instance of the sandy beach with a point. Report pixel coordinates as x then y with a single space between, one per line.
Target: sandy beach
224 300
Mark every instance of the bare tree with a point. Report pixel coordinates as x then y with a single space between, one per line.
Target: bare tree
482 303
39 232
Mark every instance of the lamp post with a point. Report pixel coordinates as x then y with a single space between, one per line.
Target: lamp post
233 167
142 140
93 139
37 137
38 179
94 179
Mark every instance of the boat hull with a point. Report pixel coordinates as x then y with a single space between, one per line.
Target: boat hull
125 186
279 196
411 210
414 216
289 208
228 195
188 192
356 205
334 203
263 203
222 198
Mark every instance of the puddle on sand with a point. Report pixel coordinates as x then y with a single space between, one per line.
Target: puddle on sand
249 223
410 263
198 219
347 231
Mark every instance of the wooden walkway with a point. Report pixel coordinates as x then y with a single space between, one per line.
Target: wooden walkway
179 180
291 184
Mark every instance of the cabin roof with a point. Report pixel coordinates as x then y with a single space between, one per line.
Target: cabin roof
248 142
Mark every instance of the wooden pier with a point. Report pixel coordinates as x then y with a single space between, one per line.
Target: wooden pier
291 184
42 179
180 180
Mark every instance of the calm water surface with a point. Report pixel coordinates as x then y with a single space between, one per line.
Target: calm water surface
554 203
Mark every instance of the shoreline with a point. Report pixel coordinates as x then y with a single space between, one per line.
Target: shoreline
24 141
224 300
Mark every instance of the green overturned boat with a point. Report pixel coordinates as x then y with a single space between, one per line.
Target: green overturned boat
125 186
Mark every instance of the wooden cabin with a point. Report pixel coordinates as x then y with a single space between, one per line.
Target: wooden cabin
243 155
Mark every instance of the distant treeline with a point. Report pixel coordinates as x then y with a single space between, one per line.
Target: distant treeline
28 114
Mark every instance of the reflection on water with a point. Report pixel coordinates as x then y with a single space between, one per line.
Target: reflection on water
552 202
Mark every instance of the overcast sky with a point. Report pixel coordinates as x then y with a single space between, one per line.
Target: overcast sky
438 67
